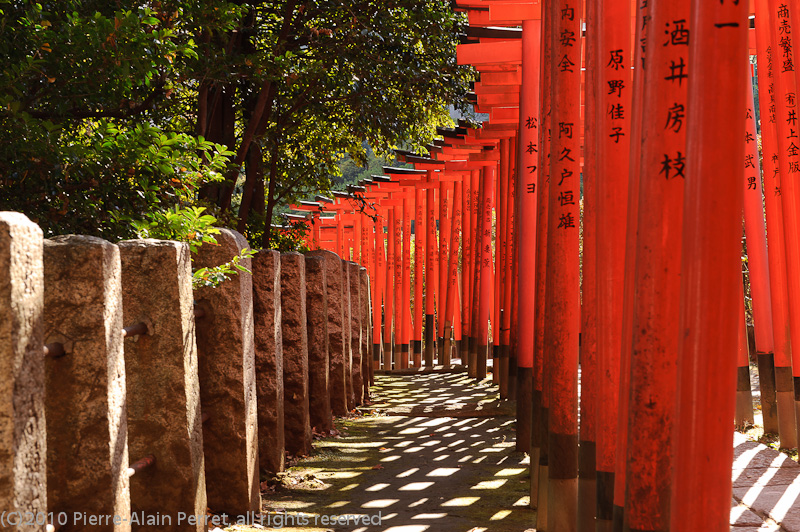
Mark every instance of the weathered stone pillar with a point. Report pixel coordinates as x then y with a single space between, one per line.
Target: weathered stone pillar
355 338
347 326
164 416
366 330
269 358
317 320
23 483
336 332
228 381
296 423
87 429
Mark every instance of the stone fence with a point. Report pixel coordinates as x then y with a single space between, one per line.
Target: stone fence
128 400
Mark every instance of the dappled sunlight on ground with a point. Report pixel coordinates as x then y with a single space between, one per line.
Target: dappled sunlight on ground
406 474
766 484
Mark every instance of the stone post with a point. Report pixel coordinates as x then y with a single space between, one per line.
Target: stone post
317 320
355 338
23 483
296 424
336 343
269 358
228 381
87 429
347 315
164 416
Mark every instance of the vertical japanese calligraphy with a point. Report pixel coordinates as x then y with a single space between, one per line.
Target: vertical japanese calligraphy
657 270
562 298
788 161
710 269
781 352
613 119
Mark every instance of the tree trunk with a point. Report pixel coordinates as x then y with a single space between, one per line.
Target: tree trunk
254 173
270 196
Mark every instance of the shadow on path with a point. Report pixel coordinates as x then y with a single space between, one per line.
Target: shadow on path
437 471
766 486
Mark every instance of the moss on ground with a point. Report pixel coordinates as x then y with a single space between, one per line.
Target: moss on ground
437 473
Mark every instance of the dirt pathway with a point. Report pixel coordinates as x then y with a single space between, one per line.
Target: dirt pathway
430 469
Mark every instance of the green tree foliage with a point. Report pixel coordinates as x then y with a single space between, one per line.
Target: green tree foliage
112 112
87 142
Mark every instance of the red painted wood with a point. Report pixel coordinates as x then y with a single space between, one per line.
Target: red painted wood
774 211
562 297
445 215
501 245
430 272
452 268
419 268
528 181
399 304
489 53
657 277
710 271
377 280
510 77
509 282
788 160
408 213
514 14
613 111
486 286
587 469
499 100
756 232
391 326
466 261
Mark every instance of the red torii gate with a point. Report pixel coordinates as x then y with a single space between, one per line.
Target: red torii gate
558 135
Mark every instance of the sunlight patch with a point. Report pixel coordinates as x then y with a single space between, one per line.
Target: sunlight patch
416 486
489 484
408 528
461 501
502 514
510 472
408 472
380 503
344 474
523 501
429 516
442 472
338 504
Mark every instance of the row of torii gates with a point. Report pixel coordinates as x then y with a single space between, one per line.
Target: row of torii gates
596 216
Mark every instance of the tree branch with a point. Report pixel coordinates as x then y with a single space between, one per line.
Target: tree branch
258 111
120 112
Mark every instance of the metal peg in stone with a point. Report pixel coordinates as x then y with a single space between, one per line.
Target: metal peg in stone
86 394
141 465
228 381
137 329
164 417
54 350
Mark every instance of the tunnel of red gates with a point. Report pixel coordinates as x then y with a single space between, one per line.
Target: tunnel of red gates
589 226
